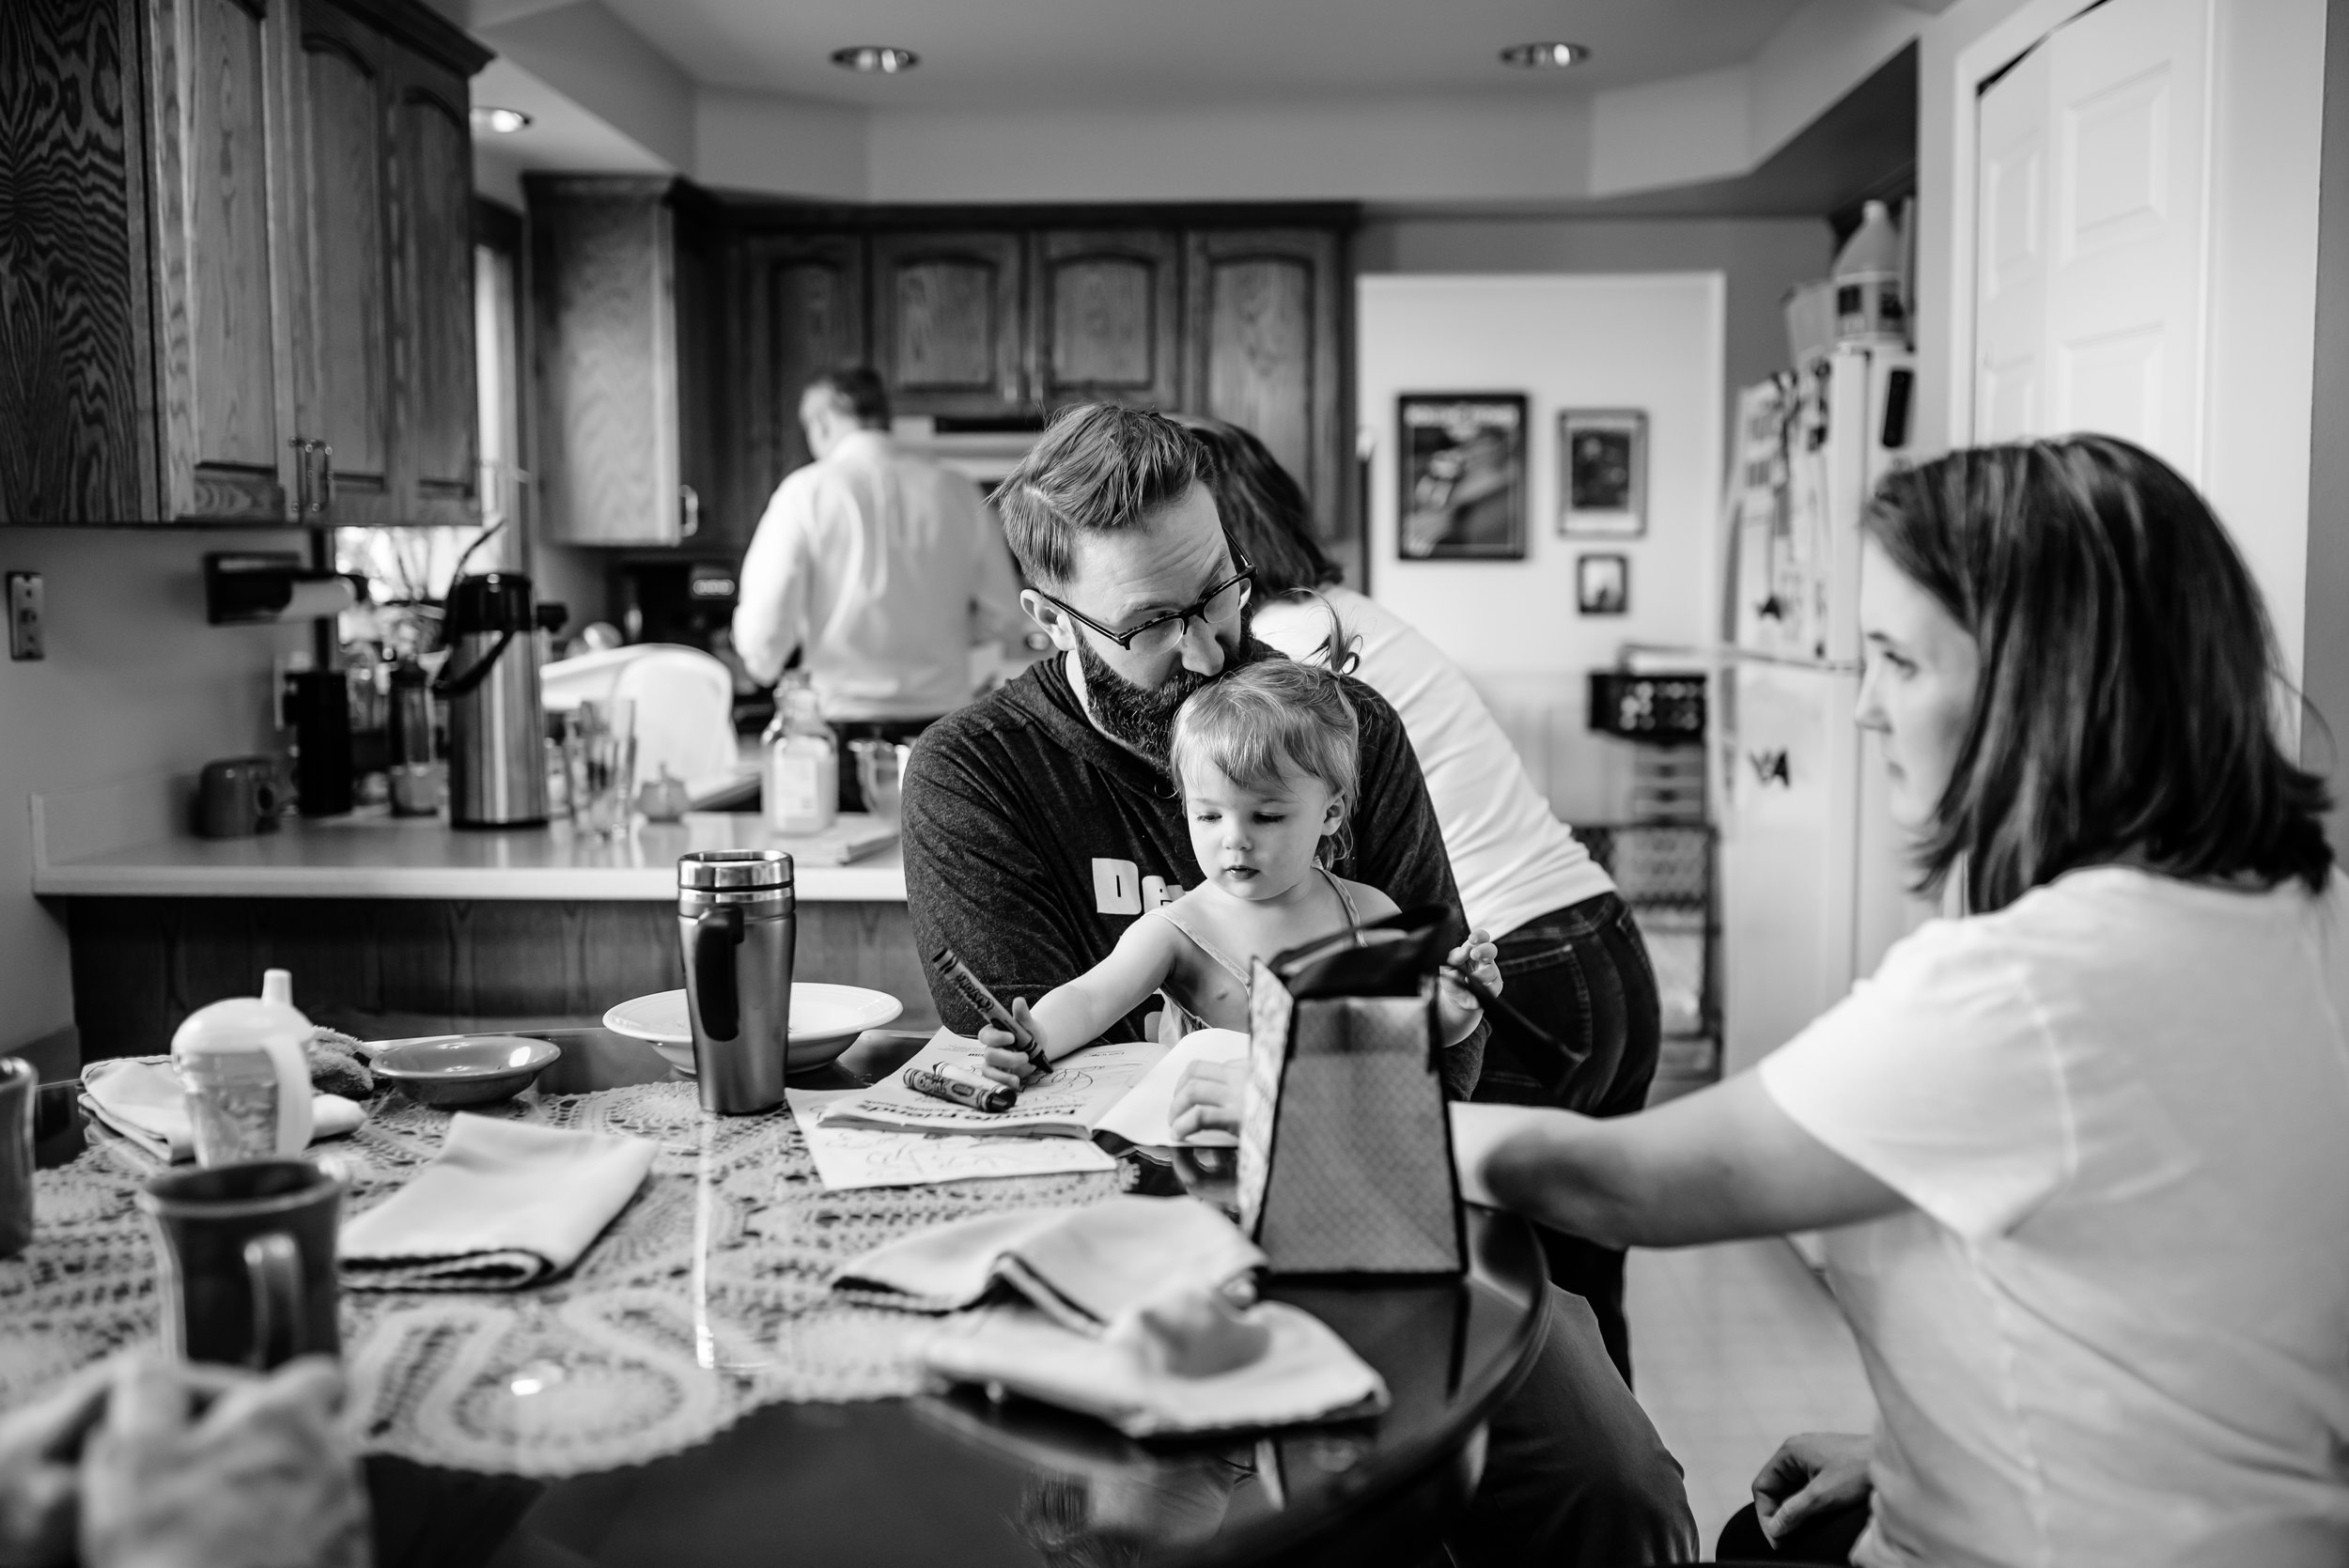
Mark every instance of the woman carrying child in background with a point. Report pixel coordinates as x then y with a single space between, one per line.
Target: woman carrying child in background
1266 762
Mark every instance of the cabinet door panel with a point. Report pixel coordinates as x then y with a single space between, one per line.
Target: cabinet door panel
432 216
946 321
1265 316
1106 310
222 336
603 295
343 363
799 306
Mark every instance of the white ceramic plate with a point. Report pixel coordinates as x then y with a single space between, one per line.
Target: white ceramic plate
825 1021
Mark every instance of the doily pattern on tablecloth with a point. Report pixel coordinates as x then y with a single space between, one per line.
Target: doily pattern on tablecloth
709 1296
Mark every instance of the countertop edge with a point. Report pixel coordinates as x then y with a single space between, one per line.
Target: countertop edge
846 884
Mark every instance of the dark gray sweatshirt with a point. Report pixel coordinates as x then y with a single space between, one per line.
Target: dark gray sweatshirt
1031 840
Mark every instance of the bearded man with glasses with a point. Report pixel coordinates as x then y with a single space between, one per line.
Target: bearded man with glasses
1041 820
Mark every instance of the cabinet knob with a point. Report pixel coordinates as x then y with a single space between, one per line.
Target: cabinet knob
325 497
690 512
300 507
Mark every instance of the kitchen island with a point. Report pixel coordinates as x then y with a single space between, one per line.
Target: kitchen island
397 925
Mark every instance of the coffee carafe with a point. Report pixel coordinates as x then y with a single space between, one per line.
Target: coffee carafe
497 767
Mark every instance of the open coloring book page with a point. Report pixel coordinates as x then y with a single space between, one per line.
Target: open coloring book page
1066 1102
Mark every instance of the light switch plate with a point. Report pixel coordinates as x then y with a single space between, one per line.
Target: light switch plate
26 638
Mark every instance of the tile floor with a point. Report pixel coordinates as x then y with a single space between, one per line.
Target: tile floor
1734 1347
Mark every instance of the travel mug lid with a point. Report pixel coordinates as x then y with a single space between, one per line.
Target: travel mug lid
733 870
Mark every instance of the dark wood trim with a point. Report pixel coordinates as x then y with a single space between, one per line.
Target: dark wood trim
767 215
498 227
426 31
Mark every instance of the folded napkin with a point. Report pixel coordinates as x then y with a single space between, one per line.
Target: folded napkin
504 1205
142 1100
1303 1372
1082 1266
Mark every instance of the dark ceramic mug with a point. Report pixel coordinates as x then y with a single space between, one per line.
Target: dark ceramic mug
246 1255
236 798
18 1082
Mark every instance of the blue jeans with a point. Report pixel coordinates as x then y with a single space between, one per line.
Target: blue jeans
1582 974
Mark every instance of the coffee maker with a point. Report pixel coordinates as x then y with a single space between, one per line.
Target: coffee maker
497 766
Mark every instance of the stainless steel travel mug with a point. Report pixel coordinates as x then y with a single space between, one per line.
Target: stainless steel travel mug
735 925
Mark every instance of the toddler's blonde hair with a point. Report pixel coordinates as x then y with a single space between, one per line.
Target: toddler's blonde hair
1265 719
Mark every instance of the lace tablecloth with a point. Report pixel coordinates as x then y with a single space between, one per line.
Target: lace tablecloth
709 1296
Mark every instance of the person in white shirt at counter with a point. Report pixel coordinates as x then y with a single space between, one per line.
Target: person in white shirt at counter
1571 954
2079 1153
881 567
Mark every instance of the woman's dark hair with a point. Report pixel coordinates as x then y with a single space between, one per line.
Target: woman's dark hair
1263 509
2125 705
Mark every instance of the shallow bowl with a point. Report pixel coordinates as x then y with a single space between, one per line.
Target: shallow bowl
825 1021
475 1070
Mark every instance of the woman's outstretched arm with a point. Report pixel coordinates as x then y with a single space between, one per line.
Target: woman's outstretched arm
1718 1164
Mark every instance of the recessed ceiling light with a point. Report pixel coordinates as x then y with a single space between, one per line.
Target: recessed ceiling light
499 122
876 59
1545 56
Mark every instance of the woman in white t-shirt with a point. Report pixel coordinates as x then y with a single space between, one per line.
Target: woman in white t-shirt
1571 954
2084 1151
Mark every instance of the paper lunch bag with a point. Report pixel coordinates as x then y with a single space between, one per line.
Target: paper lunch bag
1346 1147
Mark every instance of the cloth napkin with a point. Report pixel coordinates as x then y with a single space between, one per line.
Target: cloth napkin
143 1101
1306 1372
1082 1266
502 1205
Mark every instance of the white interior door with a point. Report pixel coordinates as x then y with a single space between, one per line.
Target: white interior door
2092 242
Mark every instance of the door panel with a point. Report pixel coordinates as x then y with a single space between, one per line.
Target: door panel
1263 318
800 310
2106 334
432 188
343 363
1106 307
946 321
221 333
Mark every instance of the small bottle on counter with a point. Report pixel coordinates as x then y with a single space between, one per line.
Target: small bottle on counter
240 1065
802 777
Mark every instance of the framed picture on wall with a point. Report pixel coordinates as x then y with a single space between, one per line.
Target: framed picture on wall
1602 473
1602 584
1462 495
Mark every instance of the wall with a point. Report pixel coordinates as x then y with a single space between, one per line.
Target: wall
2325 677
1759 258
134 684
1650 342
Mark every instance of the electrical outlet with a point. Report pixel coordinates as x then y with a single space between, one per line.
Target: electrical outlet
26 636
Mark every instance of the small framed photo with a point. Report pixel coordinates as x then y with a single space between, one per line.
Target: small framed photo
1602 584
1602 473
1463 477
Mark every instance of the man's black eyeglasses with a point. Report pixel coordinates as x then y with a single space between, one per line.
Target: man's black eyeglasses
1161 633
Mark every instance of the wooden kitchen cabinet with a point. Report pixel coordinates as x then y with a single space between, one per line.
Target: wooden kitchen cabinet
629 443
208 261
948 334
799 303
1106 311
436 375
1267 321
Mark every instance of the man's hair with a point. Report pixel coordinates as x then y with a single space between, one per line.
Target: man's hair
857 391
1099 469
1263 509
2125 709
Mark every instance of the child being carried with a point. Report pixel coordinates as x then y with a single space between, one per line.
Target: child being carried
1266 759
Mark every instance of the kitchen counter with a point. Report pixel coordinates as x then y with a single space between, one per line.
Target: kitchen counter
372 854
403 926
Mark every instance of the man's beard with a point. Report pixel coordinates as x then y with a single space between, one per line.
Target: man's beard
1142 719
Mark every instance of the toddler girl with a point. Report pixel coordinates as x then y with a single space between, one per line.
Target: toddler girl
1266 761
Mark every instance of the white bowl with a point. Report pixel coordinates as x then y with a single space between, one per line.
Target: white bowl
825 1021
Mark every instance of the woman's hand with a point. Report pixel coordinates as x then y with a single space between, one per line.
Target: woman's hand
1206 1099
1813 1473
1006 1063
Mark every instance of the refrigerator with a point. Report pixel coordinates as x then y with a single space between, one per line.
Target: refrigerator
1812 880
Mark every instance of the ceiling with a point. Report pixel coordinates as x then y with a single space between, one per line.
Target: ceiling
1045 54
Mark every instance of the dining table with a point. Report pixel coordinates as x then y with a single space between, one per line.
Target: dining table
698 1389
